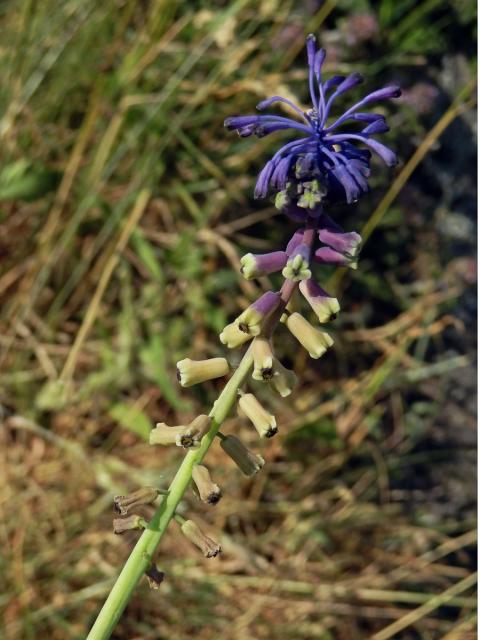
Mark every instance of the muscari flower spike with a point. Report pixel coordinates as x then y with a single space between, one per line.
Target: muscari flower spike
324 164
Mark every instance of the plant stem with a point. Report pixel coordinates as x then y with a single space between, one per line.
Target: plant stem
143 552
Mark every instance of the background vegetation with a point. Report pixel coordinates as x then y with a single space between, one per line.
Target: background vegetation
125 207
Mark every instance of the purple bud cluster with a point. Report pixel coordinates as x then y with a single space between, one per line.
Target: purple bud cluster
323 163
332 246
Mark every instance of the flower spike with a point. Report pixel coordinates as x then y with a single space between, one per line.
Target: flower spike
323 164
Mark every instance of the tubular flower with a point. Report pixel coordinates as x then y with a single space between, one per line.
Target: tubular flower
206 489
316 342
263 421
233 336
144 495
327 255
249 322
207 546
262 359
248 462
183 436
332 234
190 372
325 306
322 163
120 525
256 265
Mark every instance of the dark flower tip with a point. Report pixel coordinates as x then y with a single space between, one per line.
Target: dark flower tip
322 155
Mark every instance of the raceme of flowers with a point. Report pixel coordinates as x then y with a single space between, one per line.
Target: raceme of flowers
321 166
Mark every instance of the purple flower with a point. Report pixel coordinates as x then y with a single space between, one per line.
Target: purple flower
323 163
255 265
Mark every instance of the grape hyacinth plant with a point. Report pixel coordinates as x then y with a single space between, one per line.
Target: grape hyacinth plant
322 165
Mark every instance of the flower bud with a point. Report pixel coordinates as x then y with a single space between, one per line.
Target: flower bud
190 372
262 359
316 342
256 265
297 268
208 491
120 525
233 337
155 577
324 306
263 421
347 244
283 380
327 255
250 321
207 546
145 495
248 462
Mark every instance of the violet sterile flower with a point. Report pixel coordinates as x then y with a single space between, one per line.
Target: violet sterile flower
324 163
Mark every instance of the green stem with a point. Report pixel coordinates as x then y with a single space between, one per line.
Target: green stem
143 552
